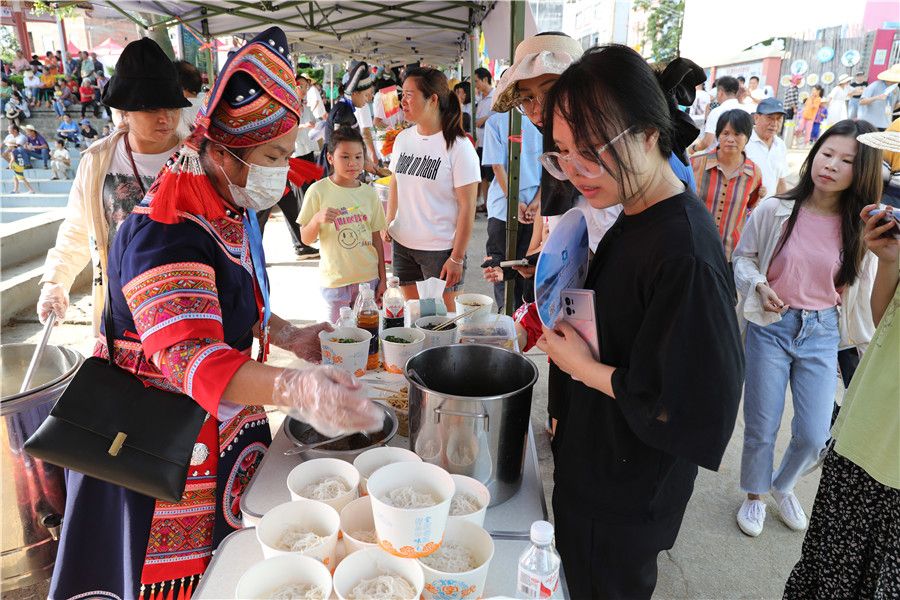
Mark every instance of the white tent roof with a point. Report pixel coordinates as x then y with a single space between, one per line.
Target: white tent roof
394 31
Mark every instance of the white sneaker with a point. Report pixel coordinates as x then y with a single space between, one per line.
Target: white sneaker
751 517
789 510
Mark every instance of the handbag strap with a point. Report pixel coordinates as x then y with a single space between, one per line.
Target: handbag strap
109 325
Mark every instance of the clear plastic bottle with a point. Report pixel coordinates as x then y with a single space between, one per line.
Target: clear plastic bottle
346 319
359 296
538 575
393 303
368 318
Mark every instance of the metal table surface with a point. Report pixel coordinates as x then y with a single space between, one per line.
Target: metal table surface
508 523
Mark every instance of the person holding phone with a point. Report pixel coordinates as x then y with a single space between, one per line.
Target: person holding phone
804 279
663 396
850 548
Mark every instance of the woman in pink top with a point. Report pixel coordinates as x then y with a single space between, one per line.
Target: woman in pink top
800 255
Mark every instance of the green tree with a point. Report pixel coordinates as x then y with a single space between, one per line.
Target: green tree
9 45
665 21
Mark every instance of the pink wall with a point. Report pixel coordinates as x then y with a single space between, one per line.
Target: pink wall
771 72
877 13
884 39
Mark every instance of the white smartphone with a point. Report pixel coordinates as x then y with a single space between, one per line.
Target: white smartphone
521 262
578 311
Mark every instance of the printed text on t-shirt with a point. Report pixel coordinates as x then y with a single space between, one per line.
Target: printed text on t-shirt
420 166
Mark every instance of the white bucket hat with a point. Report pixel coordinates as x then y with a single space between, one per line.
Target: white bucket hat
547 53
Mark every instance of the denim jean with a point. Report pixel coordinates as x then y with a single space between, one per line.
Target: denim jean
800 349
43 154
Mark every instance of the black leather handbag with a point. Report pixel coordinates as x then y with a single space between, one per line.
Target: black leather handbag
108 425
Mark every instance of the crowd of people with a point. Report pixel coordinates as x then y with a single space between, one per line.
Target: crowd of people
714 278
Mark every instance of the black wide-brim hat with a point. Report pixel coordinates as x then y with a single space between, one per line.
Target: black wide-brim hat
145 79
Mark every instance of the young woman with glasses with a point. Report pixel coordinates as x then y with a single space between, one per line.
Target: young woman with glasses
663 396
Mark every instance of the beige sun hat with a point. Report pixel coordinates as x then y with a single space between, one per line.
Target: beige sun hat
546 53
892 75
883 140
845 78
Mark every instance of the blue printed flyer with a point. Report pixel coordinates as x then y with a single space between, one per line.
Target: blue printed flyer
563 264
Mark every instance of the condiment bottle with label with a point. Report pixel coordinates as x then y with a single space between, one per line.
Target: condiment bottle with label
393 304
368 318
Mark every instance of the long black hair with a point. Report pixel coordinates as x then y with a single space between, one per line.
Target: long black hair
607 90
864 188
432 82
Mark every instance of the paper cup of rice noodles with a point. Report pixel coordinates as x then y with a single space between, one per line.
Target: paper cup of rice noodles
459 568
443 337
301 527
371 460
358 526
470 501
330 480
394 352
410 504
287 576
346 348
469 302
373 573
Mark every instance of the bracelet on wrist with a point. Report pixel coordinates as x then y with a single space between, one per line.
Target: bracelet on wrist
456 262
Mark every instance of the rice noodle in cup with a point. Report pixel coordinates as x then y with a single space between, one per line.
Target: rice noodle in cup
311 527
350 356
469 302
468 488
444 337
395 354
460 538
358 526
371 460
272 575
320 478
370 564
410 532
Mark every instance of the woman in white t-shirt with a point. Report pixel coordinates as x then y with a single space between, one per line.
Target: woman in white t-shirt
431 207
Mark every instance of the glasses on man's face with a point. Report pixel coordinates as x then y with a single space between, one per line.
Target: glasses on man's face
529 104
583 166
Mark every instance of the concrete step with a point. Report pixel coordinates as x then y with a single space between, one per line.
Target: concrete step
19 289
26 200
43 185
28 238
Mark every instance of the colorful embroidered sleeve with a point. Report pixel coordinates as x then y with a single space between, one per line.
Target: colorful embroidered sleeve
177 314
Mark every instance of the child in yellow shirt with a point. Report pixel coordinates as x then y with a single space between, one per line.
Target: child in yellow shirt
346 216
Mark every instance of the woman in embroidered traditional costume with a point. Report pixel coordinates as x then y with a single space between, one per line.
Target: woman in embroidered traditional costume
189 294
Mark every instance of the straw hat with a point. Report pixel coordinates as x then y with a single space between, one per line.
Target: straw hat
845 78
542 54
892 75
883 140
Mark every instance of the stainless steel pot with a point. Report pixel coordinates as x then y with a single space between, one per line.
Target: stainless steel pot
348 448
34 492
469 410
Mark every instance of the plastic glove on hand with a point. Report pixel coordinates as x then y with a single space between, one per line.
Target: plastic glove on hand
53 299
302 341
332 401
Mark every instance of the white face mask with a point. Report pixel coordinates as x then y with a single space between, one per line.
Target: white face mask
265 186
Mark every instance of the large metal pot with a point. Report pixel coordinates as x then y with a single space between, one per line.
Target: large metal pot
34 493
469 411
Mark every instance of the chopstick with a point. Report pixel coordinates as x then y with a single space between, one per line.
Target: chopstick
389 390
445 324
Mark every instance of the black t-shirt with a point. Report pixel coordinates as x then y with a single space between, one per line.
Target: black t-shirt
666 322
856 89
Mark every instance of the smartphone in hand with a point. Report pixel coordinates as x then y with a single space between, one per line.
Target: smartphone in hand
578 311
885 218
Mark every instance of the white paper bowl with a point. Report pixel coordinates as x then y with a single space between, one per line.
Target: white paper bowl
433 339
317 469
357 516
394 354
317 517
441 585
371 460
481 315
411 532
350 357
370 563
266 576
474 487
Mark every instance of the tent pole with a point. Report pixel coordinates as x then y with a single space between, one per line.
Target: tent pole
517 30
473 52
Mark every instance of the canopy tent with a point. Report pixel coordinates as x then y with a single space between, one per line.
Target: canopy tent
108 48
71 48
393 31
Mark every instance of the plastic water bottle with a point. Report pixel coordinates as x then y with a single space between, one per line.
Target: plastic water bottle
393 304
359 296
538 575
346 319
